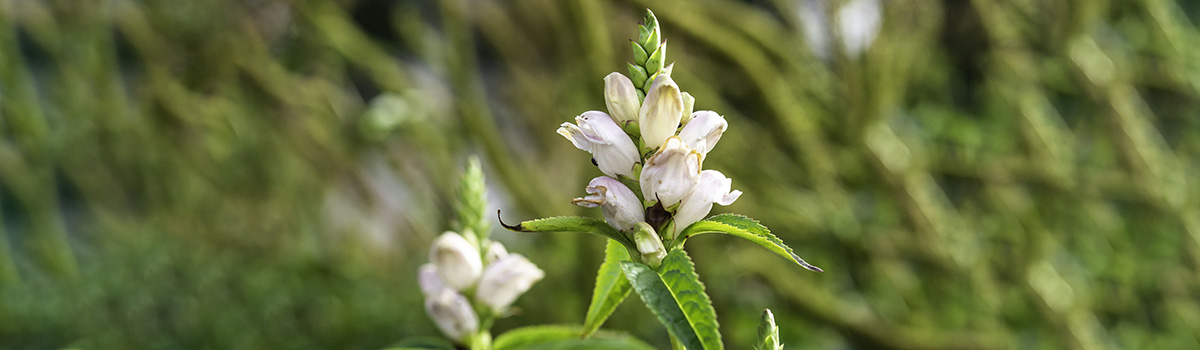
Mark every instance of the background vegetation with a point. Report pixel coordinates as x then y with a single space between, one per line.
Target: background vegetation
268 174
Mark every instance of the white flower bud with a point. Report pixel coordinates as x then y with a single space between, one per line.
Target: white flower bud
505 280
649 244
453 314
703 131
458 263
427 277
670 173
620 205
713 187
621 98
661 111
612 149
495 252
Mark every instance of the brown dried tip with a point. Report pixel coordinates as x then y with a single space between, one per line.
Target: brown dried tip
516 227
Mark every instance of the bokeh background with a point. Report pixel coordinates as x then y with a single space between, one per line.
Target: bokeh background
268 174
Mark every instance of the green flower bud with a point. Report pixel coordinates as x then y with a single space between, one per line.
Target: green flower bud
768 333
689 103
639 54
649 245
637 75
655 63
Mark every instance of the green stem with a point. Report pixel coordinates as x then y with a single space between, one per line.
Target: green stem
481 340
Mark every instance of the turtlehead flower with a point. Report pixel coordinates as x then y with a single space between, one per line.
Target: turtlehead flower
713 187
661 111
452 313
495 252
703 131
620 205
621 98
649 245
670 173
612 149
505 280
457 261
427 277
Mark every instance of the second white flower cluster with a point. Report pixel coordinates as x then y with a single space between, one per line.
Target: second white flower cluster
457 269
667 167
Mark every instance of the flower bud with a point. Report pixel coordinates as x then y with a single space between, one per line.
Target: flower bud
649 245
458 263
713 187
453 314
689 103
670 173
612 149
703 131
768 333
621 98
620 205
427 277
661 111
505 280
495 252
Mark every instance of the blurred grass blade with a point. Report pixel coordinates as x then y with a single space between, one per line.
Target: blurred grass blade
611 288
750 229
677 298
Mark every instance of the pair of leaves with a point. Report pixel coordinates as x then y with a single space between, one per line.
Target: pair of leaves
676 296
674 293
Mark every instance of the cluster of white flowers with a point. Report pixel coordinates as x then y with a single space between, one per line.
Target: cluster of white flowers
675 142
457 270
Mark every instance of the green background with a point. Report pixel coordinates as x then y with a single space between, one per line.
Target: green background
268 174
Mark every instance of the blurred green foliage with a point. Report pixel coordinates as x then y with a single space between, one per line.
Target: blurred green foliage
268 174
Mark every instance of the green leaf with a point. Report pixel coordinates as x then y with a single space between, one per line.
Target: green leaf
569 224
639 54
677 298
611 288
558 337
750 229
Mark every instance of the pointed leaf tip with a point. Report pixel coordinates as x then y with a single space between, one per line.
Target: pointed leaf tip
516 227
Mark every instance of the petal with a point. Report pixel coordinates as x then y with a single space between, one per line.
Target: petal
612 148
621 98
453 314
575 135
505 280
670 173
458 262
703 131
661 111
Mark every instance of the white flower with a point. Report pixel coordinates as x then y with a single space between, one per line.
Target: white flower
661 111
495 252
452 313
458 263
505 280
427 277
703 131
612 149
621 98
620 205
713 187
649 244
670 173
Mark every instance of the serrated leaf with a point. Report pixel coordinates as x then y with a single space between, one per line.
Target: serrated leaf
611 288
558 337
750 229
569 224
677 298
